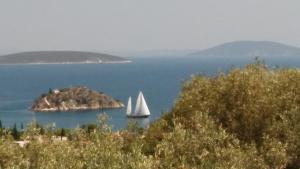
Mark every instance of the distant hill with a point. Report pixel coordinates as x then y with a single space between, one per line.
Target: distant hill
249 49
59 57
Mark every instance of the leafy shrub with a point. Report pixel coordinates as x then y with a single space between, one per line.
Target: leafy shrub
255 104
206 146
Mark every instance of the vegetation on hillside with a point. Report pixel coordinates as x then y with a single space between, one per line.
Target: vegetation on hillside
248 118
74 98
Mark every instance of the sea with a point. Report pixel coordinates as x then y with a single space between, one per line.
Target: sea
160 80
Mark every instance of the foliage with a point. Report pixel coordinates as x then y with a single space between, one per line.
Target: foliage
206 146
255 104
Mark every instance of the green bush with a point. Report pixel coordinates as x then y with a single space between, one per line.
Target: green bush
253 104
205 146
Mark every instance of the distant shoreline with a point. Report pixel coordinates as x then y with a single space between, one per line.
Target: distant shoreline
59 57
68 63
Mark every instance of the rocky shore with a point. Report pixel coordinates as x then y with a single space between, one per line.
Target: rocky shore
74 99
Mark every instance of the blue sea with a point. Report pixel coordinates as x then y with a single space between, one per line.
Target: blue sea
160 79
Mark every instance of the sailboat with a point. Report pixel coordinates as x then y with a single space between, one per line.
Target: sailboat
141 107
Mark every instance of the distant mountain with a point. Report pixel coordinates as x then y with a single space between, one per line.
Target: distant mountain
59 57
239 53
249 49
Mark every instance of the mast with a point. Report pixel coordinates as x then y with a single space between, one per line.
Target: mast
128 112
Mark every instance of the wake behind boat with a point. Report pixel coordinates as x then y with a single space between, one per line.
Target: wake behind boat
141 108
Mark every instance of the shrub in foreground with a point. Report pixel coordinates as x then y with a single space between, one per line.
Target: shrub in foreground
257 105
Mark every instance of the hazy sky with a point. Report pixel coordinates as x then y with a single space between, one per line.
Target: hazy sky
135 25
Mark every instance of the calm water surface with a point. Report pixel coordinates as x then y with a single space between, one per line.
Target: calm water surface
160 79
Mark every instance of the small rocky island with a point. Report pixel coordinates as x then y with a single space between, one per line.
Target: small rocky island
74 99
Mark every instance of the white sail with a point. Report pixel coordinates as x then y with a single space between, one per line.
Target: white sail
144 110
138 103
128 112
141 106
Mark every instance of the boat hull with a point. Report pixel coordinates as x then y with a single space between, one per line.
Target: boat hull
143 116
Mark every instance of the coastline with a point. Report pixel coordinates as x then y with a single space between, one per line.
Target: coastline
68 63
83 108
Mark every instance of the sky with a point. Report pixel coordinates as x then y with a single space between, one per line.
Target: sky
138 25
